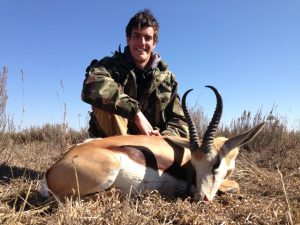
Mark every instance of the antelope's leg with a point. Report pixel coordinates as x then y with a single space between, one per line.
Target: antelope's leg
229 186
84 173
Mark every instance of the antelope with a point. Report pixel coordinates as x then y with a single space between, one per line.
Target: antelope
139 163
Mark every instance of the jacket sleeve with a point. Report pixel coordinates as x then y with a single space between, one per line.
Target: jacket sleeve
101 90
176 123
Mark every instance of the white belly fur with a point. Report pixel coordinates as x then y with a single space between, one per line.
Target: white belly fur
135 178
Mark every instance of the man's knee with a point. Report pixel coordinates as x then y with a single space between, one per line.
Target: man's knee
110 124
95 130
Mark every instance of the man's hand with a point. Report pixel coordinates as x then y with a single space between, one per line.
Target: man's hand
144 126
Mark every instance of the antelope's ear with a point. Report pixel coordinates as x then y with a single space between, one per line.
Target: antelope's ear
242 139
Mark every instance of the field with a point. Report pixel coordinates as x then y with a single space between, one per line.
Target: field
268 171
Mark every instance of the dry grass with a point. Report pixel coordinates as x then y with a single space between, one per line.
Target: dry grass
269 180
268 171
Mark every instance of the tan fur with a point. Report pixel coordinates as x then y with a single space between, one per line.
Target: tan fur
95 159
146 162
230 186
81 161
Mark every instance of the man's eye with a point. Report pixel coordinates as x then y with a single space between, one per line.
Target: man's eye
136 36
139 37
148 38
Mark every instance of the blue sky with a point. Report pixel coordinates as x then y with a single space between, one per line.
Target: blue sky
249 50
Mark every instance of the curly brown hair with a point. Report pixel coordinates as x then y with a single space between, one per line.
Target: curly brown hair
143 18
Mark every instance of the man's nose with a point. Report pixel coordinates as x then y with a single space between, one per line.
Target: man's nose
142 40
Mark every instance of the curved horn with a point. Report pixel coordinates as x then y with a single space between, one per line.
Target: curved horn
213 125
194 139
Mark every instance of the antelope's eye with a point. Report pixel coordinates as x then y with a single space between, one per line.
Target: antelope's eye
217 163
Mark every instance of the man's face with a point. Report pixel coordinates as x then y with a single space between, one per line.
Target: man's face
141 44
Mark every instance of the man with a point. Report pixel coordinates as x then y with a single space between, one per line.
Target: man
134 92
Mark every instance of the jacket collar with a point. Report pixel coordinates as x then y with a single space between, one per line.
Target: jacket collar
152 64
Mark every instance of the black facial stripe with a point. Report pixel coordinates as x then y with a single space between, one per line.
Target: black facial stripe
217 163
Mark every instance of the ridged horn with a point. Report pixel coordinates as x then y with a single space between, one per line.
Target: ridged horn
209 134
194 139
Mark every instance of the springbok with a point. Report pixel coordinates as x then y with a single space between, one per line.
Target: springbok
138 163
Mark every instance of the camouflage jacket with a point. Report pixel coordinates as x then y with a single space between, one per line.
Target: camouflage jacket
111 84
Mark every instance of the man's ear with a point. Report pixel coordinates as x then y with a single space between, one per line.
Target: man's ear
127 39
